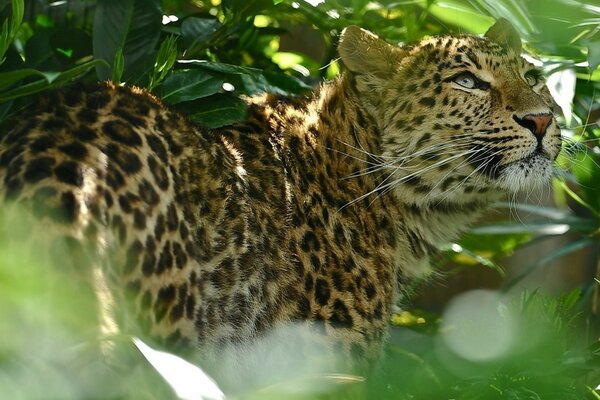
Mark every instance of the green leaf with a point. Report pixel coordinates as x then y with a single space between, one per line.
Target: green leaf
587 171
494 245
8 32
254 80
119 65
593 55
515 11
544 211
540 227
165 59
198 30
8 78
219 110
18 10
459 14
245 8
285 82
221 67
189 85
44 84
131 25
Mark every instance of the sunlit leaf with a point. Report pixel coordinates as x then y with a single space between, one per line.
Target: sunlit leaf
118 66
459 14
165 60
541 227
562 87
187 380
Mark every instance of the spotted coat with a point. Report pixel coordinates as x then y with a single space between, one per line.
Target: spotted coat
315 209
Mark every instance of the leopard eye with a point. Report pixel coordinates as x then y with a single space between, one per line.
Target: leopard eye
466 80
470 81
532 77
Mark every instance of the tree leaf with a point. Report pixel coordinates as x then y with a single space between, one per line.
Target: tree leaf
44 84
189 85
198 30
165 59
131 25
8 78
593 55
543 211
8 32
118 66
540 227
221 67
218 110
458 13
288 83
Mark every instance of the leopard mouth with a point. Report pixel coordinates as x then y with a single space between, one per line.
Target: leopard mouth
530 172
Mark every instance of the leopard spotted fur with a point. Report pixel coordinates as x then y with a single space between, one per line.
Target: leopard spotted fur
311 209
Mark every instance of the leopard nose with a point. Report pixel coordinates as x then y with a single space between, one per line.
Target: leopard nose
536 123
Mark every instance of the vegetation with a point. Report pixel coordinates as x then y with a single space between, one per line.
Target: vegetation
200 56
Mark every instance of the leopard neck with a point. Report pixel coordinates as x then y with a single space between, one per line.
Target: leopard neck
352 137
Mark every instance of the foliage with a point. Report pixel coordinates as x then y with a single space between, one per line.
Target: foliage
202 55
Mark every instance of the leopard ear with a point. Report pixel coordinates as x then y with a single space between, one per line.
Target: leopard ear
503 33
363 52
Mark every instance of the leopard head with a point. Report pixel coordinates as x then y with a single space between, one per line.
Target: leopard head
458 116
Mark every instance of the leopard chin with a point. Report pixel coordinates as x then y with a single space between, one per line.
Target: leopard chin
527 174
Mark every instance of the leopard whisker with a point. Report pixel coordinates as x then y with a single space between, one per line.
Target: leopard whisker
353 156
581 126
570 153
480 157
479 168
363 151
386 190
404 159
391 185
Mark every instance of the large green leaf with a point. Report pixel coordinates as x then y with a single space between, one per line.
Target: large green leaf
218 110
221 67
44 84
190 85
133 26
253 80
10 77
539 227
197 30
460 14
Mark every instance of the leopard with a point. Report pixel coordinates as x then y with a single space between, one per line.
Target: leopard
317 209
